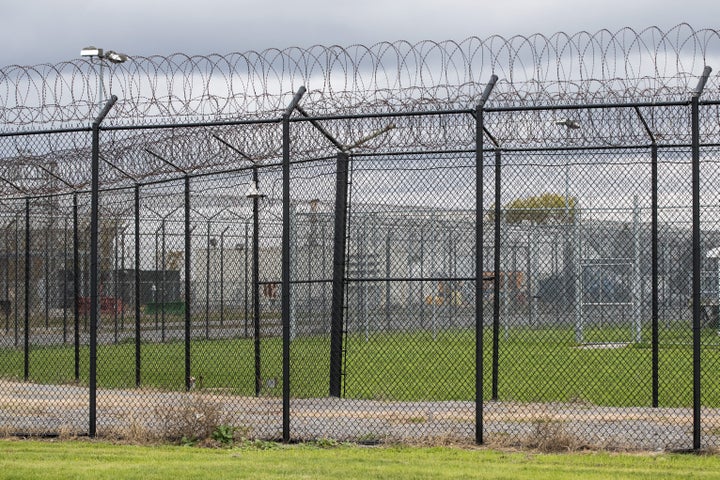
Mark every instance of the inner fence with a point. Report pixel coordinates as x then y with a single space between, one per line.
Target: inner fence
581 320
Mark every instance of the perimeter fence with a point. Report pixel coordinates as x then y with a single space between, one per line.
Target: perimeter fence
518 274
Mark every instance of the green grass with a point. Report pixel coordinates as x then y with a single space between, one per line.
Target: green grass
95 460
541 365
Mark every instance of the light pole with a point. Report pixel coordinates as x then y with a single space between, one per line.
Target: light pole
571 124
103 55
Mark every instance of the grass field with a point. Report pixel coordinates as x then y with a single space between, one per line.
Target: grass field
262 460
534 365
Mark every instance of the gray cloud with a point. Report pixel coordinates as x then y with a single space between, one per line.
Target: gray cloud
48 31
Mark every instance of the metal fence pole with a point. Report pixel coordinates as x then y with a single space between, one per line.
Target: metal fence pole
46 268
17 282
256 285
479 234
222 276
26 330
124 279
162 281
65 275
7 276
188 293
496 280
696 257
654 275
338 286
137 286
115 285
245 281
94 257
76 287
207 282
285 300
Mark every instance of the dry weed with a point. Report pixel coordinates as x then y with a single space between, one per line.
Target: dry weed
193 419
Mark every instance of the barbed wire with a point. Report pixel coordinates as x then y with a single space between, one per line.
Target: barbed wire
397 76
620 67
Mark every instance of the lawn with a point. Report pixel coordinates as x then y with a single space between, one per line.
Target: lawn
262 460
542 365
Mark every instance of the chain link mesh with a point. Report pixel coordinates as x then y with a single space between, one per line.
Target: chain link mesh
375 340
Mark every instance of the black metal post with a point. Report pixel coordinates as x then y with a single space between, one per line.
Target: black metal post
247 292
46 267
256 285
222 277
337 324
7 278
285 297
76 287
137 286
16 333
654 257
496 280
696 258
285 294
387 281
115 286
94 266
65 275
154 287
207 283
26 330
124 279
188 299
162 283
654 274
479 235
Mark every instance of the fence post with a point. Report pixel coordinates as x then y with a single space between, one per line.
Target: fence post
696 255
654 275
65 275
17 282
94 268
496 280
137 285
256 285
245 281
479 234
654 257
76 287
285 299
338 285
207 282
26 329
188 293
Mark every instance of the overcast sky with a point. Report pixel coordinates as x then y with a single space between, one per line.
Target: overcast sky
51 31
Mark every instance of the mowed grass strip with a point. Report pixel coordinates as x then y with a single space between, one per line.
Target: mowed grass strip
534 366
96 460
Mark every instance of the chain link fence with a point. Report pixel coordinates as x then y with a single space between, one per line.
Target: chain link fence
514 274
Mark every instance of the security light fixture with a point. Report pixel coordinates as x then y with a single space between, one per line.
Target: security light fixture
252 191
110 55
115 57
568 122
91 51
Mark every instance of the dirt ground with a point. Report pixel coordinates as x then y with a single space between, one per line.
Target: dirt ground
29 408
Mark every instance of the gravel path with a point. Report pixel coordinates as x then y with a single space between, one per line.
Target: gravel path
63 409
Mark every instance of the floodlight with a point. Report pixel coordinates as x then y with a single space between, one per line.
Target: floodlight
110 55
91 51
114 57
